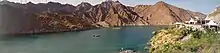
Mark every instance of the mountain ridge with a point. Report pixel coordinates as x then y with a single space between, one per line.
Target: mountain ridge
173 13
54 16
215 15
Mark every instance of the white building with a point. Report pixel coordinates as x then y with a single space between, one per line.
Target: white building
211 22
199 24
191 21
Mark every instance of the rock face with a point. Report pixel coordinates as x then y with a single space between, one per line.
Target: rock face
215 15
111 13
164 14
15 20
59 21
55 17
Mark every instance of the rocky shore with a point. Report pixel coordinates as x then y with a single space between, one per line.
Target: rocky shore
184 40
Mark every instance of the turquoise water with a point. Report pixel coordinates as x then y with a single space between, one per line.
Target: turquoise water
111 41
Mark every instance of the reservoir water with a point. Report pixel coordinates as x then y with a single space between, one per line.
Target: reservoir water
110 41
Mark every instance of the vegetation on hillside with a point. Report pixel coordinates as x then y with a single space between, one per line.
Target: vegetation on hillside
185 40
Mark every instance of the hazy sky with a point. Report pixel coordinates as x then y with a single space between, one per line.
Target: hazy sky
204 6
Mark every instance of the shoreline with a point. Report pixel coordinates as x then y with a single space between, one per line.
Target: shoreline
48 32
70 30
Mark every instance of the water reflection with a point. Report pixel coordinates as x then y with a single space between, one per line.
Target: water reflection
110 41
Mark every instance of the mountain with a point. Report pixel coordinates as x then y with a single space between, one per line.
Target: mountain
108 13
215 15
55 17
52 21
113 13
162 13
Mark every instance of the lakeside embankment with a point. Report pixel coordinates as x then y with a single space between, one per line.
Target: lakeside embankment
68 30
185 40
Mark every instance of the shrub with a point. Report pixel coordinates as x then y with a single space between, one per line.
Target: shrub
169 41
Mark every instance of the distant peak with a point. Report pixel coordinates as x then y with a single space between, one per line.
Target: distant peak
117 1
218 6
112 2
5 2
30 3
54 3
84 4
161 3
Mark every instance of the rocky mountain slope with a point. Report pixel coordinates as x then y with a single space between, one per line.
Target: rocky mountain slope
215 15
162 13
55 17
111 13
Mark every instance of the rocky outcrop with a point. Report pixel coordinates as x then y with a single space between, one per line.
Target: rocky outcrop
55 17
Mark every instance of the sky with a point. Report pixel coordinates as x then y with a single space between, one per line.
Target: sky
204 6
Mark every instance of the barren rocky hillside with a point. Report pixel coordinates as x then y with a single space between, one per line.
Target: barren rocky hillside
55 17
